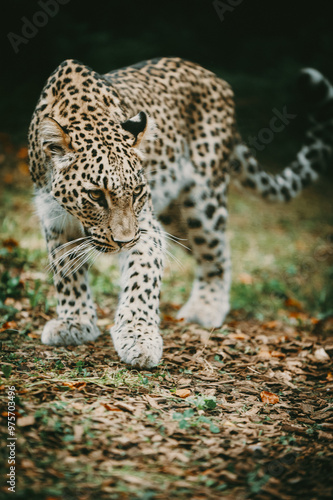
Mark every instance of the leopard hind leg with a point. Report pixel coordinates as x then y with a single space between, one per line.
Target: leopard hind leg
199 217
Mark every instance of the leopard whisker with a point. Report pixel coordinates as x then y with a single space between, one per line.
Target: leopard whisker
72 262
67 254
72 242
165 250
173 236
94 257
69 265
169 237
57 217
83 261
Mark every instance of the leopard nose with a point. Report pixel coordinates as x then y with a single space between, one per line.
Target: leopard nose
123 233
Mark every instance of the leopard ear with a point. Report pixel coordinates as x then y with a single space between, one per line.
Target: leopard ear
138 126
55 142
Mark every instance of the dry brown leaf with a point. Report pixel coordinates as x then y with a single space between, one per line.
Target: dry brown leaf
110 407
183 393
228 423
270 325
264 354
34 335
44 316
277 354
329 377
326 436
175 307
26 421
269 397
282 339
26 463
9 325
321 355
22 153
306 408
171 319
298 315
290 302
75 385
6 414
314 321
78 432
125 406
245 278
23 168
152 402
238 335
10 244
293 428
104 322
11 302
8 178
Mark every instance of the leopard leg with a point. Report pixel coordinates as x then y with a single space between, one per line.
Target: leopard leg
67 247
204 211
136 334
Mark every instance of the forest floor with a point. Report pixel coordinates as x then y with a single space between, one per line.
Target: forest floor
244 411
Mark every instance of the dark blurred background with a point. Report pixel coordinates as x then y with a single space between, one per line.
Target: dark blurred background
257 45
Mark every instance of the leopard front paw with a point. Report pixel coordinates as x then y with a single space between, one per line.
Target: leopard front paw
65 332
141 349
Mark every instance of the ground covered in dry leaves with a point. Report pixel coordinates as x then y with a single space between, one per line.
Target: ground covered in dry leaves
245 411
242 412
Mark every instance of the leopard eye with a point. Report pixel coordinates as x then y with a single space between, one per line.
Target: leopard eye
96 195
137 190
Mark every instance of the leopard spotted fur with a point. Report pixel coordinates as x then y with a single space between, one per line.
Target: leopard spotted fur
113 156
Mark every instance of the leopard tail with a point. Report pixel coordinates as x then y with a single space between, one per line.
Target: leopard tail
314 156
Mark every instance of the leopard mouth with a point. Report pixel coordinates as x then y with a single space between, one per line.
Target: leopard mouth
118 247
104 248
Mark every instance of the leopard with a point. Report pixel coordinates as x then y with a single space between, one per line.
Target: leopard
121 162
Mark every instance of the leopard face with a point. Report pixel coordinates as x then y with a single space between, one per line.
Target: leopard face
101 185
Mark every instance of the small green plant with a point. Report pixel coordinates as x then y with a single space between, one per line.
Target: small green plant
35 294
151 417
7 370
183 418
79 367
203 402
255 481
287 440
186 371
189 419
312 429
81 370
10 286
144 379
42 414
7 313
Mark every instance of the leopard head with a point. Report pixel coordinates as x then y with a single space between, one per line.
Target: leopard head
96 175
